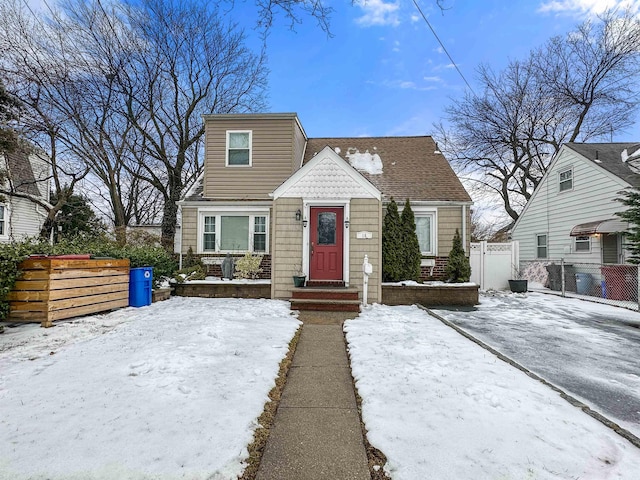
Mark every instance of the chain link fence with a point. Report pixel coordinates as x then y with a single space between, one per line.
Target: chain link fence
612 284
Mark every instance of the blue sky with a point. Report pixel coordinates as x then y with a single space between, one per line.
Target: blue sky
383 72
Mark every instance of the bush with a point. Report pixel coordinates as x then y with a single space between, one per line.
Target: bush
195 272
11 254
411 256
458 269
248 266
391 244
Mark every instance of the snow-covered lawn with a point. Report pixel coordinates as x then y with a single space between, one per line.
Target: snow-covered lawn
167 391
439 406
588 349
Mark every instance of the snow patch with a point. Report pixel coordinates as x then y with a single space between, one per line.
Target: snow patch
337 150
365 162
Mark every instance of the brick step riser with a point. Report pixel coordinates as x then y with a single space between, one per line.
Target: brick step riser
325 295
326 307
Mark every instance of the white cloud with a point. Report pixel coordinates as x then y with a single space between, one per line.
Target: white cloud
439 50
585 7
415 18
406 85
378 13
433 79
396 46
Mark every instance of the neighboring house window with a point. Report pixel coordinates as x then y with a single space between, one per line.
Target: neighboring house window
565 180
425 229
234 233
583 244
541 246
239 148
3 221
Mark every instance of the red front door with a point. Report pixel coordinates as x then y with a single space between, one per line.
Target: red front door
326 243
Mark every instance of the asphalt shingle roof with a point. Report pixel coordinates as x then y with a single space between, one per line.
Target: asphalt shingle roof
609 157
411 168
21 172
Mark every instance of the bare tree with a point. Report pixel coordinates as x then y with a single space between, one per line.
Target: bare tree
125 86
187 63
575 88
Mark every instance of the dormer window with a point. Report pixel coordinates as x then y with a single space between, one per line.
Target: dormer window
565 180
238 148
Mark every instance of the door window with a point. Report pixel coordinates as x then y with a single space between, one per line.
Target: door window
326 228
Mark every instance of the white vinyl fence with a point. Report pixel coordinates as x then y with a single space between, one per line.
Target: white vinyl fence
493 264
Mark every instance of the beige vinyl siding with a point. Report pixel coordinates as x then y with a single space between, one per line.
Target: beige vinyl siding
286 241
299 144
449 219
555 213
272 158
366 215
189 229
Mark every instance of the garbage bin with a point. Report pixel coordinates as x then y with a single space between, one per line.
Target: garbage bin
584 283
140 286
621 282
555 277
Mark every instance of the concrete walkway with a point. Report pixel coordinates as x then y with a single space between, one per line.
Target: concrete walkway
317 433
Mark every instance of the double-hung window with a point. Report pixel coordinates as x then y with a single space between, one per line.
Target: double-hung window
426 231
565 180
234 233
541 246
239 148
209 233
3 220
583 244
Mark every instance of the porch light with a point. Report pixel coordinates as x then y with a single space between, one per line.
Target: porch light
346 223
298 215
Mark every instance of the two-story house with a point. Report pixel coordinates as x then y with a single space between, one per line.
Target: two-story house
572 213
27 180
317 204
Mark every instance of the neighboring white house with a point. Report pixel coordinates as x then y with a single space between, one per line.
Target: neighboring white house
572 213
28 175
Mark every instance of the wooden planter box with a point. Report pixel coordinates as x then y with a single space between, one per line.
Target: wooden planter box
51 288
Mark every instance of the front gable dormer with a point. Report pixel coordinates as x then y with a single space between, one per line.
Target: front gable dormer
248 155
327 176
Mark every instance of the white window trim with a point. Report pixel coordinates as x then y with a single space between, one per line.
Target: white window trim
565 170
231 212
433 213
7 215
575 244
537 245
226 152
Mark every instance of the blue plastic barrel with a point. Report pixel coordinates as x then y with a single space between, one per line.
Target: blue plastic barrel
140 286
584 283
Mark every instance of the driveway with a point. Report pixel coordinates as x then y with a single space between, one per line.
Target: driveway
590 350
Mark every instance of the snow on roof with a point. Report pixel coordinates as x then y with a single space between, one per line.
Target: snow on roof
364 162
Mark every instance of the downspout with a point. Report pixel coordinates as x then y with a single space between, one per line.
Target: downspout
464 227
180 237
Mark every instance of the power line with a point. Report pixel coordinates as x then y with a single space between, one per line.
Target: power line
442 45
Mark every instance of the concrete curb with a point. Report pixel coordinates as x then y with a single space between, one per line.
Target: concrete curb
626 434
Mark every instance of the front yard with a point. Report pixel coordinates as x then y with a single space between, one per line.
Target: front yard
167 391
439 406
173 390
